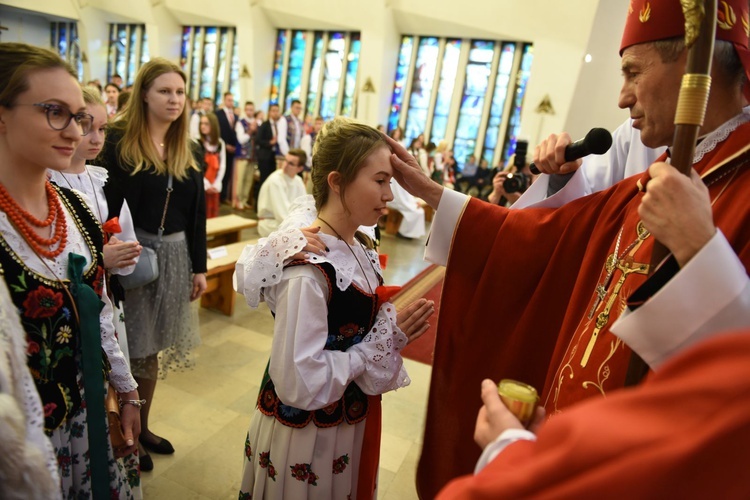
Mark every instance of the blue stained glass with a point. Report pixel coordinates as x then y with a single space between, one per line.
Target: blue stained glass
502 81
53 35
469 117
234 71
421 87
278 67
314 83
334 62
62 42
196 68
145 55
185 49
122 48
352 66
514 125
295 67
208 69
402 70
132 55
112 51
447 83
223 41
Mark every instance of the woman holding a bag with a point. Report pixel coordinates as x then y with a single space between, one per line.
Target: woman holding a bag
50 256
155 166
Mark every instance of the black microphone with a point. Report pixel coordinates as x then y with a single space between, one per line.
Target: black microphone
596 142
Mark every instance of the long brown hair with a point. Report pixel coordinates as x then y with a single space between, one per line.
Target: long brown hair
213 122
17 60
136 147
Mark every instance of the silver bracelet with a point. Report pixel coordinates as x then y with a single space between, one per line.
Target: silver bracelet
135 402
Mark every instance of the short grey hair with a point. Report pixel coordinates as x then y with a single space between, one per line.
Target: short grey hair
726 60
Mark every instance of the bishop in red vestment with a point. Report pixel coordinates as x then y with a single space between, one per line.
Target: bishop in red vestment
533 294
684 434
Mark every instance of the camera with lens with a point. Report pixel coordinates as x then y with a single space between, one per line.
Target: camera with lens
518 182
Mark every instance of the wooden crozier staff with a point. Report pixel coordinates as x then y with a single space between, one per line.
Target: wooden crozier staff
700 33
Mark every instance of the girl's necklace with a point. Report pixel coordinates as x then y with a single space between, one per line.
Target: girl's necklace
353 254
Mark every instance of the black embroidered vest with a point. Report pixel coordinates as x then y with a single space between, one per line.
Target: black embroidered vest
351 314
47 315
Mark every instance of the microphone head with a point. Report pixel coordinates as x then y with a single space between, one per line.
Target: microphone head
598 141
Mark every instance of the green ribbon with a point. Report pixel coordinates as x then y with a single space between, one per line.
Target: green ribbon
89 306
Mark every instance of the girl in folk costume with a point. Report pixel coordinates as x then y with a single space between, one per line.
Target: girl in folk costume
214 157
50 258
155 167
316 429
119 254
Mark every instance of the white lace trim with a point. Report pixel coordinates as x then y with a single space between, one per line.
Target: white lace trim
302 213
261 265
382 350
719 135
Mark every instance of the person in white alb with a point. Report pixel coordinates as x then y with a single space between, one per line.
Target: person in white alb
279 191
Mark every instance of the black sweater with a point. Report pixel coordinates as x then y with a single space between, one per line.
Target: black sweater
146 193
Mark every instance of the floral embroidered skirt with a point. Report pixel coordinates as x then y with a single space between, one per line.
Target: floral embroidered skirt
283 462
71 445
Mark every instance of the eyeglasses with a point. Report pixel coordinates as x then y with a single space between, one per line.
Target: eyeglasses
59 117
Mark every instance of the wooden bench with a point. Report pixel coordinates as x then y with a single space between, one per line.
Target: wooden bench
393 221
226 229
220 294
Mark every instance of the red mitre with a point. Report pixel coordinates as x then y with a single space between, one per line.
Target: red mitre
653 20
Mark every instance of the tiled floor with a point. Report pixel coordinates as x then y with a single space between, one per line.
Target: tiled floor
205 413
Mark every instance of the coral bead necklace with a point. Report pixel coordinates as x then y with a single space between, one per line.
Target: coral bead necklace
24 222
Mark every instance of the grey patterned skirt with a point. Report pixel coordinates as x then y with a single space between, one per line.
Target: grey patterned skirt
159 317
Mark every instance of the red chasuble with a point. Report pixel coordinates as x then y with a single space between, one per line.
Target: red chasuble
684 434
519 301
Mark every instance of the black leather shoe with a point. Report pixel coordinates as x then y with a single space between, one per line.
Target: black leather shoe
146 463
163 447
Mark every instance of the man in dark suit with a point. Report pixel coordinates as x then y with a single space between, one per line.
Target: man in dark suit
227 120
266 141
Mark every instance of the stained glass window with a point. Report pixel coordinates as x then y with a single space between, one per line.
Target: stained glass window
234 72
334 62
402 72
209 59
314 82
352 66
221 71
128 51
514 125
502 81
278 67
421 87
448 74
64 41
472 103
295 68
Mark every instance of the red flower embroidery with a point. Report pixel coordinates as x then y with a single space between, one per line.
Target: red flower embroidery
42 303
32 348
349 330
49 408
339 465
99 280
303 472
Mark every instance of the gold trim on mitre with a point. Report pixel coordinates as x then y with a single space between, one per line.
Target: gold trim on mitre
729 17
645 14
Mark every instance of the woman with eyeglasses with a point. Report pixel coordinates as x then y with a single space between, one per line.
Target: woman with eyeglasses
156 167
50 257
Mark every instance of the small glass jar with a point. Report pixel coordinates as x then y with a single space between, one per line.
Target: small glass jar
521 399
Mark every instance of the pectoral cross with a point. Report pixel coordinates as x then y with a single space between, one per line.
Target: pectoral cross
627 266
